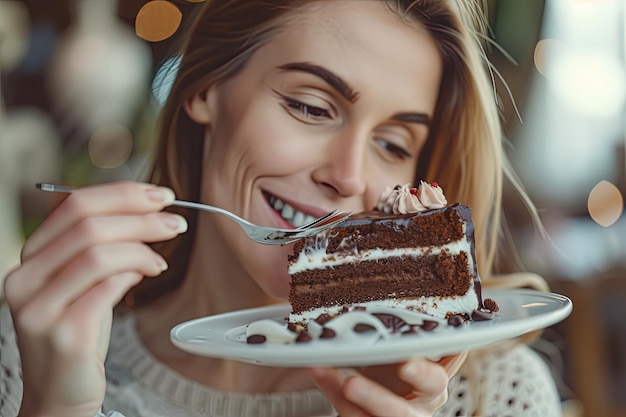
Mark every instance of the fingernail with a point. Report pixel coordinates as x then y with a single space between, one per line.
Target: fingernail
175 222
161 195
160 262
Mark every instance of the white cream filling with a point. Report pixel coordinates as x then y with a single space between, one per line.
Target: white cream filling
317 258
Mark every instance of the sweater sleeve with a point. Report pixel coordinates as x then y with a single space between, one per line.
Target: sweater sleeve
10 366
109 414
11 386
511 380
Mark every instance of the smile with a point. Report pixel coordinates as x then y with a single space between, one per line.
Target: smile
294 217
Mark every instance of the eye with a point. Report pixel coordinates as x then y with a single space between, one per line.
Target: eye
393 149
306 110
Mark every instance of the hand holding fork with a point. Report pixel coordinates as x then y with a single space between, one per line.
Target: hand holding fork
260 234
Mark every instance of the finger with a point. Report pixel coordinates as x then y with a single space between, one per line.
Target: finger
115 198
453 363
94 308
387 376
88 233
376 400
84 272
429 379
331 383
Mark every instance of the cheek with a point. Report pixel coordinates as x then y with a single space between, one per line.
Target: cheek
388 176
265 141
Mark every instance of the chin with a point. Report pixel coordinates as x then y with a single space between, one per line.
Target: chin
275 284
269 270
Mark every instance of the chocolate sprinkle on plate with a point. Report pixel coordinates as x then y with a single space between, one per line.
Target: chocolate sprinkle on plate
323 318
303 337
491 304
429 325
456 320
256 339
482 314
327 333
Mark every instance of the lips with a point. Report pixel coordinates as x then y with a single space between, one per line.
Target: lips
293 216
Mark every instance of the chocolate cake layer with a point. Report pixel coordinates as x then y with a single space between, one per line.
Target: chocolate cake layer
441 275
375 230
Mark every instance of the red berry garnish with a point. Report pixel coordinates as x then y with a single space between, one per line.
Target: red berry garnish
413 191
434 184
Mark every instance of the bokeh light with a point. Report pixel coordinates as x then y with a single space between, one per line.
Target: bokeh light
544 49
157 20
110 146
605 203
590 82
14 33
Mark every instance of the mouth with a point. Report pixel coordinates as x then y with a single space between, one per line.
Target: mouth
291 215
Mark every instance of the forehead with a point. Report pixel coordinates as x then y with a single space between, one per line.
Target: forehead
363 42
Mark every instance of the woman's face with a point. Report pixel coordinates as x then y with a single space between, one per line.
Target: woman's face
324 116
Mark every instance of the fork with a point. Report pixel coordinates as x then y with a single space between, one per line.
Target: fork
260 234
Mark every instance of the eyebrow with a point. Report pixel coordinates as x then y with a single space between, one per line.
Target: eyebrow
419 118
343 88
330 77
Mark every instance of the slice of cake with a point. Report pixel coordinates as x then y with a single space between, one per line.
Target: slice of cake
408 266
414 252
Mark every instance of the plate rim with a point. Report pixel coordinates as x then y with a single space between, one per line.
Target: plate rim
290 355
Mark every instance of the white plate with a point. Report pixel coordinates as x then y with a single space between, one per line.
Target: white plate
223 336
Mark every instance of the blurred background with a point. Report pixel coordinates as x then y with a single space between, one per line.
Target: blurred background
81 82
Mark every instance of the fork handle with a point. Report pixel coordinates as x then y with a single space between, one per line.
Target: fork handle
55 188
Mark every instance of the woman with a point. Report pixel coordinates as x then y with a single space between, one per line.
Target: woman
319 105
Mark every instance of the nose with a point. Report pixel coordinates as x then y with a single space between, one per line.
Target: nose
342 168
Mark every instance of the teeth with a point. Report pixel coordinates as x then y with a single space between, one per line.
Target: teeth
276 203
287 212
298 219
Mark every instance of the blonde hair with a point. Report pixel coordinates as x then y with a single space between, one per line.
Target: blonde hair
464 152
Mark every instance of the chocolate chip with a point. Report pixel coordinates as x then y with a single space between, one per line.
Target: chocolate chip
455 320
360 308
429 325
491 304
482 314
397 187
256 339
292 327
410 330
327 333
362 328
345 308
392 322
303 337
322 318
